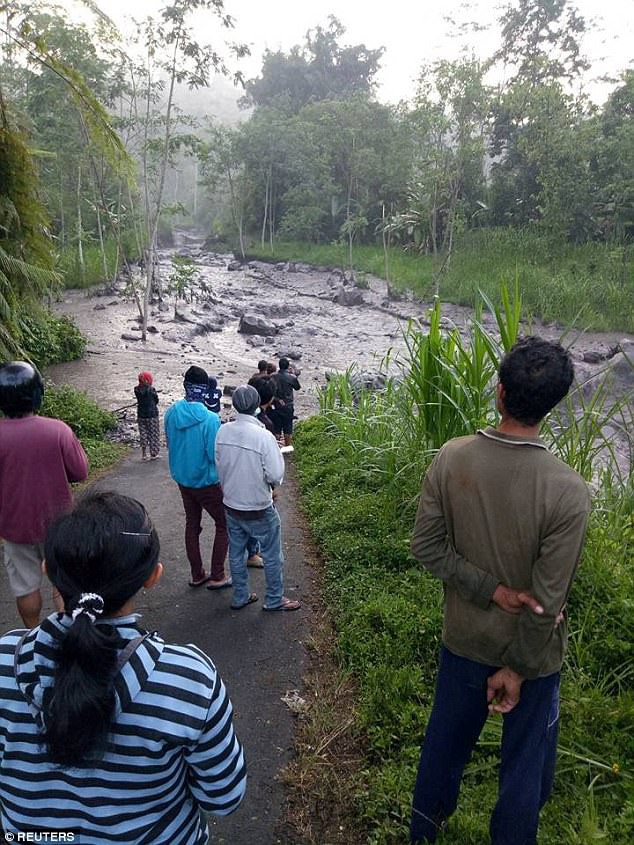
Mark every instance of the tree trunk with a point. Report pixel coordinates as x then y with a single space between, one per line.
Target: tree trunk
266 205
80 232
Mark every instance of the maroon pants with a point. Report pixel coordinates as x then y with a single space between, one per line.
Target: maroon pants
195 500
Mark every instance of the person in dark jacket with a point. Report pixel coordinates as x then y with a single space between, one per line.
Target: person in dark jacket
285 383
148 417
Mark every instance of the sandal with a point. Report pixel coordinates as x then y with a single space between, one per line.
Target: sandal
252 598
220 585
200 581
255 562
285 604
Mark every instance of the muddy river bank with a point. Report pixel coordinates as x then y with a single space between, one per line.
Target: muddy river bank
309 314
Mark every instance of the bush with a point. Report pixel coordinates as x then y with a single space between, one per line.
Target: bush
47 339
78 411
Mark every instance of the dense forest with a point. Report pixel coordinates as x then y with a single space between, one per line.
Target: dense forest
102 156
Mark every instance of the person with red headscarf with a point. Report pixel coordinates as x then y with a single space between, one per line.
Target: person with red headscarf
148 417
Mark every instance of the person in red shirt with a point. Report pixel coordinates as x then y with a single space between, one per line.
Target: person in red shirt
38 458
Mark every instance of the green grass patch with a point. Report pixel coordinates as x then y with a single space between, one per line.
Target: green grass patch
89 422
590 285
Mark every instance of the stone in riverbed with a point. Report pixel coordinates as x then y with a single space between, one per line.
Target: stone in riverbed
252 324
348 296
293 354
207 326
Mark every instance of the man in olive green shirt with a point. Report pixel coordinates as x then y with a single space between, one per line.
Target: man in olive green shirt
501 521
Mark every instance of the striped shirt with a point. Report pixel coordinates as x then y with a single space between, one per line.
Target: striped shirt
171 751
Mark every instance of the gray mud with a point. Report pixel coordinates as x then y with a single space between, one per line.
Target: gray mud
295 299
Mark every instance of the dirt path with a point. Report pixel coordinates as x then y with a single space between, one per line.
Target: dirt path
260 656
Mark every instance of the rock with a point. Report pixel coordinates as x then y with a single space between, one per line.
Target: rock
252 324
186 316
205 327
591 356
255 340
100 307
113 302
163 306
283 309
126 336
291 267
346 296
234 265
228 389
280 266
293 354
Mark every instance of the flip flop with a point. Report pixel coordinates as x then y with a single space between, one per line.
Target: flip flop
200 581
222 585
286 605
252 598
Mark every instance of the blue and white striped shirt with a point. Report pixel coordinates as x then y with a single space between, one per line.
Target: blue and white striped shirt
170 753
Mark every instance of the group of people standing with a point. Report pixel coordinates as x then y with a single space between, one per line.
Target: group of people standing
232 472
108 731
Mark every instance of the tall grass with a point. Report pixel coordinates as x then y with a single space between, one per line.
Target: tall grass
360 465
93 271
589 285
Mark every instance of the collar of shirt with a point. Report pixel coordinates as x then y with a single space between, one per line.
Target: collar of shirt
511 439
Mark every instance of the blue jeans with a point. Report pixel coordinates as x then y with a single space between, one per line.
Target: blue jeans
267 531
528 753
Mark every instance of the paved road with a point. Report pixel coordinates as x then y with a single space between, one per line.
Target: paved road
259 655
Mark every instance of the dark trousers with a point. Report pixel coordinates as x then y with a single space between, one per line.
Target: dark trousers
529 749
195 501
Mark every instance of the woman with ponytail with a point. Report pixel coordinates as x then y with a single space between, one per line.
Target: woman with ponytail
107 731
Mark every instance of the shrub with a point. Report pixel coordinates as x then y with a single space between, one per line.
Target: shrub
78 411
47 339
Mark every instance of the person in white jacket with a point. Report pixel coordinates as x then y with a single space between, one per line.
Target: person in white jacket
250 467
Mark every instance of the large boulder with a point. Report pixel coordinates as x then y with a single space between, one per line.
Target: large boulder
348 296
252 324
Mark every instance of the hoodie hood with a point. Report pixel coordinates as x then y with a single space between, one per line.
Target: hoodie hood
191 434
36 664
186 414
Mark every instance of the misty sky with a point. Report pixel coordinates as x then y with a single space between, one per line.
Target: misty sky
412 32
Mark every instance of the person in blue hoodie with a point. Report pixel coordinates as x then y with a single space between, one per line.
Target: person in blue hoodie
190 431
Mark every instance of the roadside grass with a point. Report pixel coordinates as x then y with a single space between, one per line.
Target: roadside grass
590 286
359 466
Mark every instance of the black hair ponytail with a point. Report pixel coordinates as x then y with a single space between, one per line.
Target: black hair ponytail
106 547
